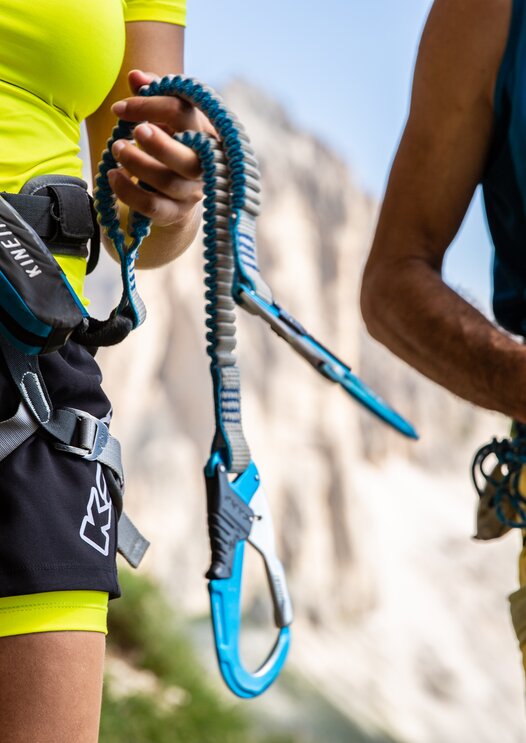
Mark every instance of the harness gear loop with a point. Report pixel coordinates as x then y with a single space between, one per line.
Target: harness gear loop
509 454
237 508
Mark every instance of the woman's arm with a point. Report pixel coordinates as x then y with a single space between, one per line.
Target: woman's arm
439 163
172 169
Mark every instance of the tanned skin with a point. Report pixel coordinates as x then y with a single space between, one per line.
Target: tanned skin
171 168
440 161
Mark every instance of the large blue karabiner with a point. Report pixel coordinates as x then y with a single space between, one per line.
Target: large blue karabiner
238 512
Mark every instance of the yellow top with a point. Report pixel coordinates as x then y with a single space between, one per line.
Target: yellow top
58 61
168 11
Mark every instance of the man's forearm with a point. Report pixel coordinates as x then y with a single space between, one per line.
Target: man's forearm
419 318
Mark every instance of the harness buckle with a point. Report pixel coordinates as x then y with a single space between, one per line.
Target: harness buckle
92 436
239 512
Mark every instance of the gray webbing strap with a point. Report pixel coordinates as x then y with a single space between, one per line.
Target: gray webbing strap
94 436
231 424
131 543
246 254
14 431
75 431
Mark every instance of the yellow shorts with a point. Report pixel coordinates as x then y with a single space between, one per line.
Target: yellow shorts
54 611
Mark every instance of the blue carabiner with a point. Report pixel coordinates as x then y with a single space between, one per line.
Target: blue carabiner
323 360
238 512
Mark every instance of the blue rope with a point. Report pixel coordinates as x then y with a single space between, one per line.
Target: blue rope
108 216
139 225
228 131
226 402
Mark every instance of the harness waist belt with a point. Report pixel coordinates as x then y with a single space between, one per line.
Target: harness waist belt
61 212
39 310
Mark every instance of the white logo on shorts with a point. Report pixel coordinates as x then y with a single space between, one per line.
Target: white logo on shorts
97 521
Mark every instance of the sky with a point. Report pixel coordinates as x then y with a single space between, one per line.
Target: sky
343 70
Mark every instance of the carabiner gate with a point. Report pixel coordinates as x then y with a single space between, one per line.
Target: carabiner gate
238 512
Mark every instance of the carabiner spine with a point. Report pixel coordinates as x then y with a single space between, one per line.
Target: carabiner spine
225 604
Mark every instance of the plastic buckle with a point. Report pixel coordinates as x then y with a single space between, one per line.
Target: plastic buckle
93 436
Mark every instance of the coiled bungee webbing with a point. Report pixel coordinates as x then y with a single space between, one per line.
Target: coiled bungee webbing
131 307
237 508
220 308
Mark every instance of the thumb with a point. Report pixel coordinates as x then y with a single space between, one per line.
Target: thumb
138 78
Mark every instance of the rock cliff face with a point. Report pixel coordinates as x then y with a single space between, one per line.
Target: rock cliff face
400 619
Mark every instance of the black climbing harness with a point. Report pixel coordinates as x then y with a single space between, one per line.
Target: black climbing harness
39 312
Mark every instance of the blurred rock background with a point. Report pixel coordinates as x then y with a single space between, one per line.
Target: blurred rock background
402 624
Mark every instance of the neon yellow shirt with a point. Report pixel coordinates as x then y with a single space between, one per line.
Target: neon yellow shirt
58 61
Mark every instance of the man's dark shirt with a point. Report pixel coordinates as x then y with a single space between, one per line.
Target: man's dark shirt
504 181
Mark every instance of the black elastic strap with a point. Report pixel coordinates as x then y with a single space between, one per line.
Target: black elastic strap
94 252
94 333
35 210
61 212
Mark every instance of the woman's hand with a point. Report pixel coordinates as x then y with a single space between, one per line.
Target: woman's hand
169 167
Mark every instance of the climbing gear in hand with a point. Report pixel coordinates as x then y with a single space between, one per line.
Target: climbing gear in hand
496 472
238 510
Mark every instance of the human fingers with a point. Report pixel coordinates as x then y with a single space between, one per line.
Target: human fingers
173 112
138 78
164 179
162 210
176 156
169 113
204 125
